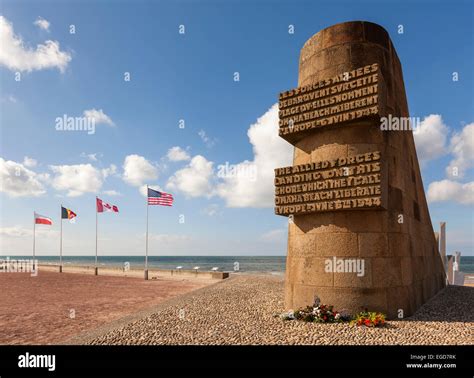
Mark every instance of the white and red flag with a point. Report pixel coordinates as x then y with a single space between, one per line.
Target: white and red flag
104 206
41 219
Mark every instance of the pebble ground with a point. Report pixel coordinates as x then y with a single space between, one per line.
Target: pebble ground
241 310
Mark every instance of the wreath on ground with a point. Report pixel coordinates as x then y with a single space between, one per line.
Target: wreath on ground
321 313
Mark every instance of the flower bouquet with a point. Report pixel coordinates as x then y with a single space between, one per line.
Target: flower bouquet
369 319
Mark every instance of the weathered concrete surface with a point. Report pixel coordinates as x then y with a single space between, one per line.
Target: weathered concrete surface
403 268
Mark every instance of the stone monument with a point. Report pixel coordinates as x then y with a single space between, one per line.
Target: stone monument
360 234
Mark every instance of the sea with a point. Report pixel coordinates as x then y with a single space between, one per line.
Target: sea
243 264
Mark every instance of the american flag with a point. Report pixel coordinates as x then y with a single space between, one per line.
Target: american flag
159 198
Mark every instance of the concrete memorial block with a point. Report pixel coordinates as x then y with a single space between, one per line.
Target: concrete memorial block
354 193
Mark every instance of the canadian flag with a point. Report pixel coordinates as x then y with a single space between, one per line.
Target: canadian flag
103 206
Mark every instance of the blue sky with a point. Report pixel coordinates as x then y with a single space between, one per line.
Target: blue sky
190 77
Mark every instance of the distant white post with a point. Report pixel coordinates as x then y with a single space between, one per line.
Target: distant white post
146 242
458 277
96 268
457 260
34 237
442 242
61 240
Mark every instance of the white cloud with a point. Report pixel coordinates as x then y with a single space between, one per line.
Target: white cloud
211 210
99 117
195 179
42 23
91 157
177 154
137 170
208 141
9 98
77 179
246 184
14 232
278 235
172 239
112 170
111 193
16 56
430 138
447 190
29 162
462 148
20 232
18 181
270 152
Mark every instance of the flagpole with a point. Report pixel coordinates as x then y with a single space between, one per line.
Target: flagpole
61 241
146 249
95 269
34 236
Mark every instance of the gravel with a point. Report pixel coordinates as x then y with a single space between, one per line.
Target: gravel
242 309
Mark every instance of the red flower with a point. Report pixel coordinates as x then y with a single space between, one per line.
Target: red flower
367 322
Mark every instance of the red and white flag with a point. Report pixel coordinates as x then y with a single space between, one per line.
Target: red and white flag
104 206
40 219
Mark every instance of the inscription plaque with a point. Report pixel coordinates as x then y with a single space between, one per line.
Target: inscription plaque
338 184
346 97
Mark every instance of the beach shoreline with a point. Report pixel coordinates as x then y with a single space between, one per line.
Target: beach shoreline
153 273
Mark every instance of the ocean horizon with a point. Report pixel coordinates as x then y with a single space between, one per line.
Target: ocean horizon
249 264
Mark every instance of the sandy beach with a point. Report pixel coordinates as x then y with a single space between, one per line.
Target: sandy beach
52 307
243 309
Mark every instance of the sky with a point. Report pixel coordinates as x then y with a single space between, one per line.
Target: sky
183 97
